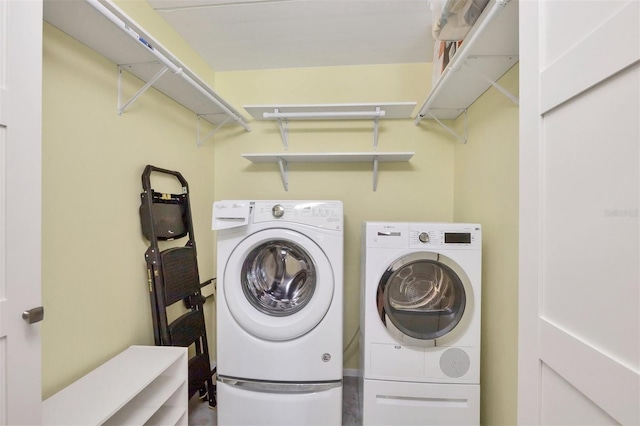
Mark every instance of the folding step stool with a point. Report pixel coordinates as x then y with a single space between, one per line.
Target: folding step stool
173 276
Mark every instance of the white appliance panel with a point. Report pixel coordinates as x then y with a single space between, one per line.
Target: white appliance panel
254 342
246 407
417 380
397 361
425 404
313 357
419 364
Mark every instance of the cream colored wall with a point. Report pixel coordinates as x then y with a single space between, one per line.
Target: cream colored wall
486 191
421 190
94 283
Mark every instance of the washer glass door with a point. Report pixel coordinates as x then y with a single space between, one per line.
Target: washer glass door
420 296
278 277
278 284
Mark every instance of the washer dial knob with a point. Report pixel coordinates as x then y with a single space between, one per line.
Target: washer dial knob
423 237
277 211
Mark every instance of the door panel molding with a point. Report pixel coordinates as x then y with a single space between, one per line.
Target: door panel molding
556 88
613 386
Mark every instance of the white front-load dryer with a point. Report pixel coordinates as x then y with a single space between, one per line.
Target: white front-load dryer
420 323
279 312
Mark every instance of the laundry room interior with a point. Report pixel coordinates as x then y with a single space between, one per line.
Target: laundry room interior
94 281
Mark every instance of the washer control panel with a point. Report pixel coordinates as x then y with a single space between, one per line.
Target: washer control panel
322 214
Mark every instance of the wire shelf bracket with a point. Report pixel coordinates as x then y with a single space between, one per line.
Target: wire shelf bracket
199 141
122 107
462 138
492 82
284 172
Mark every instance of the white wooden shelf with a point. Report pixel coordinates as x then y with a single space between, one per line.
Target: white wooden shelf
105 28
283 159
489 50
356 111
142 385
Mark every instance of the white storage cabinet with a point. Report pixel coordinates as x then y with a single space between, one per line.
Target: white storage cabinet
143 385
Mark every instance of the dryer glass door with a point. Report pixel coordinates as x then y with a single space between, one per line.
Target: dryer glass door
278 278
423 298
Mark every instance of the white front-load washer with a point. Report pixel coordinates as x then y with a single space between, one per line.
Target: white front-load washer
420 323
279 312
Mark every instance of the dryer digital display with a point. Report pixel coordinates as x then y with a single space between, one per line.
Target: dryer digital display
457 238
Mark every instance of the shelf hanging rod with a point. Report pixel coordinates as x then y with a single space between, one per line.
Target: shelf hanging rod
164 60
460 58
328 115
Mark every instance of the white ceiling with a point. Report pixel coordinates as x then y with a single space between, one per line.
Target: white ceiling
262 34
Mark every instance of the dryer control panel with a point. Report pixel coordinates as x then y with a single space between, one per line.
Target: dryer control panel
451 236
422 235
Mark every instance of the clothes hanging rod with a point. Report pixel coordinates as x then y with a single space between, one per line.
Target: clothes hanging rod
164 60
459 59
328 115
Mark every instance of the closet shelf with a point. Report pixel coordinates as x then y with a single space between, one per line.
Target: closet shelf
489 50
106 29
283 159
356 111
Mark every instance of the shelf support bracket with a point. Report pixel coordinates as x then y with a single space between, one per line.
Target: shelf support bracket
462 139
375 129
199 141
375 173
501 89
283 124
139 93
284 172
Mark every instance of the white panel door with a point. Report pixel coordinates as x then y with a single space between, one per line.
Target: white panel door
20 195
579 349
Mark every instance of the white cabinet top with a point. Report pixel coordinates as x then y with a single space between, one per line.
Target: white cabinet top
96 397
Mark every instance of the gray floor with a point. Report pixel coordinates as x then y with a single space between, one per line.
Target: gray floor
200 414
